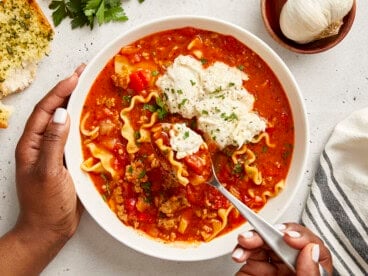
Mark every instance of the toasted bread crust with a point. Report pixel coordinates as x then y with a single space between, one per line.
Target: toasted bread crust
24 39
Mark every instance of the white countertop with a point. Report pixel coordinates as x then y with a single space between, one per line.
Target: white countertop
333 83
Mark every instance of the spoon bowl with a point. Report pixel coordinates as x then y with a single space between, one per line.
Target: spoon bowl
271 10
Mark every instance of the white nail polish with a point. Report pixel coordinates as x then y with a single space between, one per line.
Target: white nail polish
247 235
238 253
315 253
294 234
280 226
60 116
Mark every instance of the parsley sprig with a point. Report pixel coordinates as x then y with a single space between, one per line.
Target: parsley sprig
86 12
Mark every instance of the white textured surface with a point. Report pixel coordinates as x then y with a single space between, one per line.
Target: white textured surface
333 84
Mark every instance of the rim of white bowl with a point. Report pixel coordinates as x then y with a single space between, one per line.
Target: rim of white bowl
100 211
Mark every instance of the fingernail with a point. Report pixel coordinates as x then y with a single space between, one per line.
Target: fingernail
247 235
60 116
315 253
238 253
294 234
280 226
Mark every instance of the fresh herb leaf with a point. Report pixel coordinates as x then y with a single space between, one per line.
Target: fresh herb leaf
203 61
86 12
149 107
60 11
238 168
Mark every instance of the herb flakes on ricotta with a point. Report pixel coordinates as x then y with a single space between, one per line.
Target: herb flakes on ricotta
184 141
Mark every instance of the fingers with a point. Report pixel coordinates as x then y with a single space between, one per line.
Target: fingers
53 143
80 69
252 250
43 111
249 244
307 263
29 143
299 236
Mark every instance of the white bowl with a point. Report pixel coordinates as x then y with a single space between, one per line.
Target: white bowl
91 198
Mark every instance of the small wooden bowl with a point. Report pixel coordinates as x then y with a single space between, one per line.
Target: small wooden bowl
271 10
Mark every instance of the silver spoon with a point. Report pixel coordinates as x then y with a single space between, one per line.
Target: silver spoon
269 233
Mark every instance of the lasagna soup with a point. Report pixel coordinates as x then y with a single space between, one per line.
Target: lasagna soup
162 109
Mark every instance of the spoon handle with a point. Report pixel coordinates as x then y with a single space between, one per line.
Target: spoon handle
269 234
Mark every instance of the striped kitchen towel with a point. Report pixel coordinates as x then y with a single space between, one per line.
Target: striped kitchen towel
337 207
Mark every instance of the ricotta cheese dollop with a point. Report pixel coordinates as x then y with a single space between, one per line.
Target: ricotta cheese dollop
184 141
215 96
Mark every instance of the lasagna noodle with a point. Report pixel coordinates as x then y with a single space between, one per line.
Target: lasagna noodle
180 171
103 165
144 134
264 136
251 171
268 194
218 225
88 133
127 131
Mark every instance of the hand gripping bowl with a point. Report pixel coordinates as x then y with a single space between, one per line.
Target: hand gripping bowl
93 201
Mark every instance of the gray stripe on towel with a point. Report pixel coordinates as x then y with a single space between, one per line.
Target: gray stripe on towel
339 214
333 232
325 239
342 193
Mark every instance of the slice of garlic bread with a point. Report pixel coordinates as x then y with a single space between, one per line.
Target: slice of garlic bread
24 40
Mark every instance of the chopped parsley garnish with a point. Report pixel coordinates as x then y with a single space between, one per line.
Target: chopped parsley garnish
161 110
203 61
142 174
204 112
231 84
146 186
137 135
186 135
182 103
127 98
155 73
86 12
159 107
238 168
106 183
130 169
230 117
217 90
192 82
240 67
149 107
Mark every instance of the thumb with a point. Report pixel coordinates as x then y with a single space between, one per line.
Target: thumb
54 139
307 262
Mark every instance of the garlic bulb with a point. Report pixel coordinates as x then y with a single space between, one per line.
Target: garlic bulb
307 20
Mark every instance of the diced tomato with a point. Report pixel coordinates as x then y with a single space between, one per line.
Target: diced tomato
130 204
136 83
145 77
195 163
139 80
